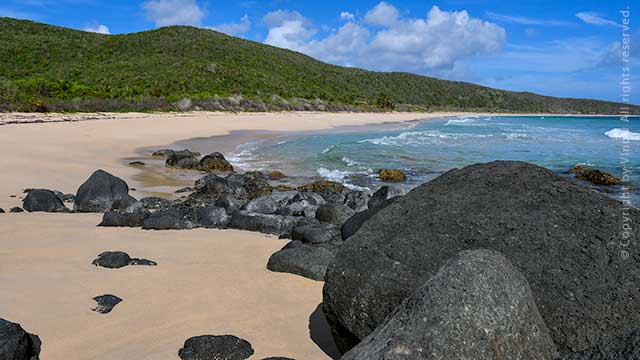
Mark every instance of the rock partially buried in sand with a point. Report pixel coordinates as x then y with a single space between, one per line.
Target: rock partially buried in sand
106 303
211 347
165 153
137 163
214 162
595 176
43 200
187 161
99 192
555 232
2 211
118 259
16 343
16 210
392 175
303 259
478 306
278 358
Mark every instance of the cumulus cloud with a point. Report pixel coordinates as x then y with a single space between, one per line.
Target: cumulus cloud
439 40
593 18
382 14
430 44
347 16
98 28
234 29
279 17
173 12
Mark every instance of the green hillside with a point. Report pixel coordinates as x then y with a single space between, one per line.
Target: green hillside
45 67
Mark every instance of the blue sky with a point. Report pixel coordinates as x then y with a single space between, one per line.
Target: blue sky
559 48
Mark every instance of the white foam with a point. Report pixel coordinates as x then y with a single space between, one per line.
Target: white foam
623 134
420 138
333 175
349 162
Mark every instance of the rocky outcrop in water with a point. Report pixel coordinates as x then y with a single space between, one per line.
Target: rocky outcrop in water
477 306
595 176
214 162
391 175
561 236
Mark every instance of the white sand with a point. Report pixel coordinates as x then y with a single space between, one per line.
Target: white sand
207 281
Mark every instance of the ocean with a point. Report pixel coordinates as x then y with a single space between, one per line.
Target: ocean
426 149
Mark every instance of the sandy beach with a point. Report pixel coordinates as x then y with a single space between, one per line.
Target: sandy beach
207 281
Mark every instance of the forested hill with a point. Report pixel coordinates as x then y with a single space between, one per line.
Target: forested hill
44 67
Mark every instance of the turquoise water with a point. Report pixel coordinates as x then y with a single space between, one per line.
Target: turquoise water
426 149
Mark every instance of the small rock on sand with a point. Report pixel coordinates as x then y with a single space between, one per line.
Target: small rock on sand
16 343
211 347
106 303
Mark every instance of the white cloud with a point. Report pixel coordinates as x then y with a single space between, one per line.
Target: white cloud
437 41
98 28
382 14
173 12
426 45
279 17
238 28
593 18
522 20
347 16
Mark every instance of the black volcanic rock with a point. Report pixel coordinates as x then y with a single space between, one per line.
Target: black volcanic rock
16 343
333 213
564 238
478 306
106 303
302 259
383 194
16 210
353 224
112 259
210 347
99 192
43 200
626 347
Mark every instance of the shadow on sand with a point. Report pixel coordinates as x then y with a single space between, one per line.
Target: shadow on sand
321 333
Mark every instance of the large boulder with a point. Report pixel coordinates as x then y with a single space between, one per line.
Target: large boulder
210 347
98 193
626 347
43 200
303 259
564 238
215 162
478 306
16 343
333 213
242 187
316 233
353 224
213 217
263 205
155 203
